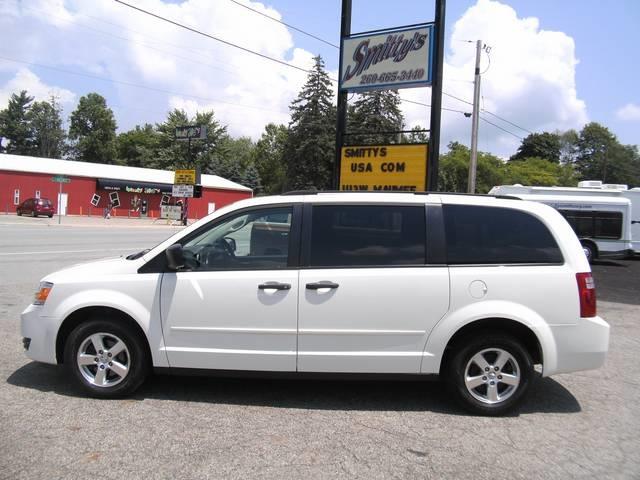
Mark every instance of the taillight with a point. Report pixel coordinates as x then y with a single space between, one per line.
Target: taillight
587 292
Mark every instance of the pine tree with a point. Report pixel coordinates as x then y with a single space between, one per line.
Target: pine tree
93 130
374 112
310 149
48 136
14 125
269 158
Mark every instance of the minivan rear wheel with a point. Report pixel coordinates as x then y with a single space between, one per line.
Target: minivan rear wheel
105 359
491 374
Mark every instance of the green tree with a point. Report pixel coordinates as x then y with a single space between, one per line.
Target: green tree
205 154
454 170
539 172
138 147
374 112
540 145
93 130
48 136
310 149
417 135
600 156
269 158
14 125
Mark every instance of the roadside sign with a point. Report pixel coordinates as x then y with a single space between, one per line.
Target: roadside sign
182 191
190 132
387 59
384 168
171 212
60 179
184 177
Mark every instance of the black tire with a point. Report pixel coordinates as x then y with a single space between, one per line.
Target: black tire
18 213
33 213
507 396
134 357
50 216
590 251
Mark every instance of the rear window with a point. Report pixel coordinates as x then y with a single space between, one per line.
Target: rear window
493 235
367 235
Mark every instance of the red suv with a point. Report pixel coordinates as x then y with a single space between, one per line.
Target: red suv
35 207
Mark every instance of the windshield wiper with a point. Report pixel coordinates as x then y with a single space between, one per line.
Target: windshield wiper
135 256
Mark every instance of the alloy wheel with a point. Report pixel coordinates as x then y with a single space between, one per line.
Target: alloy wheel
103 359
492 376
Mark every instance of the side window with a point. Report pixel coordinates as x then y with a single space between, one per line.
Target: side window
491 235
595 224
367 235
255 240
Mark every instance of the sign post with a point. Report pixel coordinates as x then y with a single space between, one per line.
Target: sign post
391 58
60 179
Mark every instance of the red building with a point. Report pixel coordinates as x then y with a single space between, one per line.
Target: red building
92 187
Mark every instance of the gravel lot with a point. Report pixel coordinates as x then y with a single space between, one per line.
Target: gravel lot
576 425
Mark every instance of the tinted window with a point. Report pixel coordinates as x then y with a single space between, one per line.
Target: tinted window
247 241
359 235
490 235
595 224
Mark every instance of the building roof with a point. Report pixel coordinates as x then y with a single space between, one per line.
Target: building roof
22 163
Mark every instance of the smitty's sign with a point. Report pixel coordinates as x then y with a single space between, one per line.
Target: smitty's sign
384 168
386 59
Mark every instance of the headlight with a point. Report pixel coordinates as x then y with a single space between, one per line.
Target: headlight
42 293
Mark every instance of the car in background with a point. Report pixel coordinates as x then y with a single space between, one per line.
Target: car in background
36 207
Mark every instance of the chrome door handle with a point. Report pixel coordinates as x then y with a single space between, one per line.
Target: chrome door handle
274 286
320 285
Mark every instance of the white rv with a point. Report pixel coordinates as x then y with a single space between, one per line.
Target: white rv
605 217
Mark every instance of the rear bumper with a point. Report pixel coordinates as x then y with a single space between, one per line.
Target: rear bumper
582 346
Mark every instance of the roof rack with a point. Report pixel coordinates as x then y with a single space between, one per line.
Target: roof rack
316 192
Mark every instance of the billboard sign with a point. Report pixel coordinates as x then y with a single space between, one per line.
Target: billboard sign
387 59
384 168
191 132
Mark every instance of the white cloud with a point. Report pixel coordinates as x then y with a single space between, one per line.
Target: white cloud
186 70
629 113
530 81
25 79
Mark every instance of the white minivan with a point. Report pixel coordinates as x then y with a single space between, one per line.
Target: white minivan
475 289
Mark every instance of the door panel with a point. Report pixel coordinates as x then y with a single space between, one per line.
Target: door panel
376 321
223 320
236 308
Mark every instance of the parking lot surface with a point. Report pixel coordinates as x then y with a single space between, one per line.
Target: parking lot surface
583 425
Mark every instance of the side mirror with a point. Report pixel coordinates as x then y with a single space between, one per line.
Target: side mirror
175 257
231 242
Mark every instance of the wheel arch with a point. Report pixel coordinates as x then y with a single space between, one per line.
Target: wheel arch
518 330
87 313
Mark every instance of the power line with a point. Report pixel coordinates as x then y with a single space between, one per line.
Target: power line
499 127
136 85
191 29
285 24
507 121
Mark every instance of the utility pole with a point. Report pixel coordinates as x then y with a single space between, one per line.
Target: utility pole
471 188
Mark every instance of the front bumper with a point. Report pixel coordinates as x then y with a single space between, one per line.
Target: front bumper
581 346
42 334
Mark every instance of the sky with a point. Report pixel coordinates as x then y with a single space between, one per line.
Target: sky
549 65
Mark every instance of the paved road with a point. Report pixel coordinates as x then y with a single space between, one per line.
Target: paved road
578 425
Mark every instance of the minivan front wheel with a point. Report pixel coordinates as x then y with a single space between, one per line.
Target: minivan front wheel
105 359
490 375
